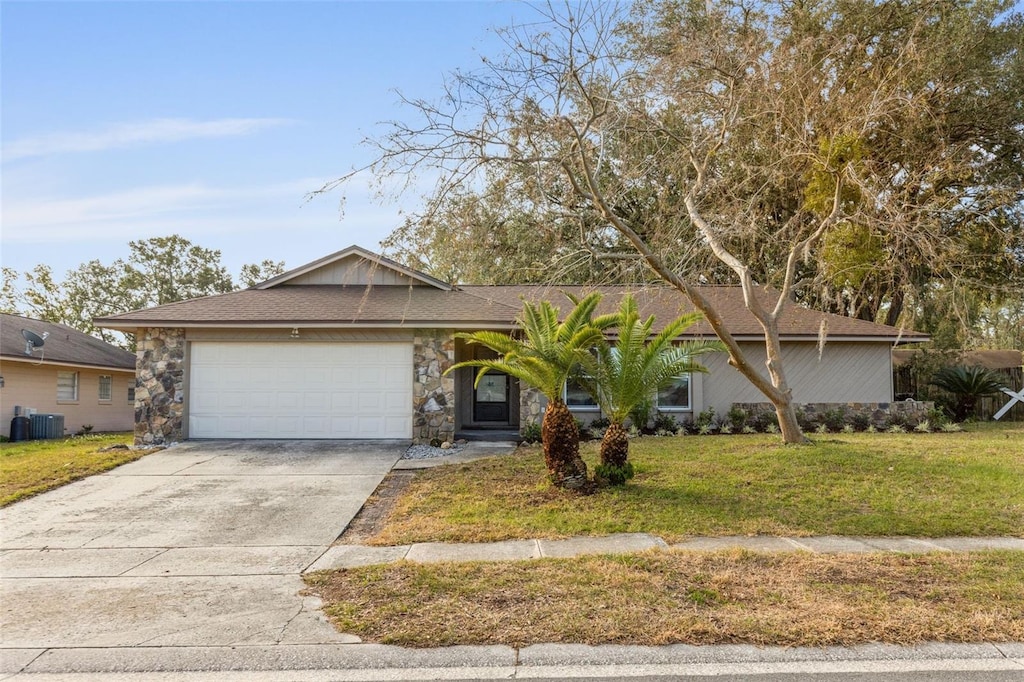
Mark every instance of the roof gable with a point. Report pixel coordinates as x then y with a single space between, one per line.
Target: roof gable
357 267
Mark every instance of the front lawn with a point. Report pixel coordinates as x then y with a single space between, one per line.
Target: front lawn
31 467
665 597
925 485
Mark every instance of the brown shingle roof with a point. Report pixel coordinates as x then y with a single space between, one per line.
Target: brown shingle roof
466 307
64 344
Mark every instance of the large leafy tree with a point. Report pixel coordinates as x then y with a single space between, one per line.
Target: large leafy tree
157 271
730 141
627 371
544 357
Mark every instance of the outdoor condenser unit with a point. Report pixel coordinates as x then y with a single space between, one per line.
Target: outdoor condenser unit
47 425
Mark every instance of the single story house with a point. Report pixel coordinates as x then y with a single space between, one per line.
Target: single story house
88 381
354 345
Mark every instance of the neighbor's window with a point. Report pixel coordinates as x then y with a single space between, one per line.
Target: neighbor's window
676 395
67 386
576 396
131 394
106 387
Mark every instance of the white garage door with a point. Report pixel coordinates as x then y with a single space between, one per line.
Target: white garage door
300 390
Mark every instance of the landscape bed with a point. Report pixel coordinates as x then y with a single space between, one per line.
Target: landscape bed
923 485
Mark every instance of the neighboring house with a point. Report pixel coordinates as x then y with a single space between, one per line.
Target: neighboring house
90 382
354 346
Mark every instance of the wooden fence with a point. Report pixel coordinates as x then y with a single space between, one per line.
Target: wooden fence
905 383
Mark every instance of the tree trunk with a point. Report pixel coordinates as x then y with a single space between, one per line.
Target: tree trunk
615 446
788 424
561 439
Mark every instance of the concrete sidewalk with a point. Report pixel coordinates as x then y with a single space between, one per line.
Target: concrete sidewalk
350 556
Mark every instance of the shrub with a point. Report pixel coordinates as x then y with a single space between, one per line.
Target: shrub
806 423
585 433
763 420
860 421
666 422
530 433
747 428
614 475
737 417
967 384
641 416
924 427
706 418
834 419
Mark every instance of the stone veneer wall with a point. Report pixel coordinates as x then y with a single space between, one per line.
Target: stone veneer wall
159 390
433 395
531 405
877 413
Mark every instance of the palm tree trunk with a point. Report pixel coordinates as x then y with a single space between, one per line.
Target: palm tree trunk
615 446
561 439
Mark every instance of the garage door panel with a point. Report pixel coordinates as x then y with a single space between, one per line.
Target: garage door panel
286 390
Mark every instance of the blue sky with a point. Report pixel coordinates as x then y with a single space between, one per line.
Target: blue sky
212 120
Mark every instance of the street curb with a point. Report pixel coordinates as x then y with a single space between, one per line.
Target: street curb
372 661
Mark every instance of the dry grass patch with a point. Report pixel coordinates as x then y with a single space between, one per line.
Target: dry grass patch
948 484
31 467
684 597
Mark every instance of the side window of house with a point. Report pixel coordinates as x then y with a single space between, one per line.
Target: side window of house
67 386
106 388
575 396
675 396
131 394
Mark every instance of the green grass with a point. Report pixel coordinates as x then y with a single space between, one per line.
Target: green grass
31 467
665 597
924 485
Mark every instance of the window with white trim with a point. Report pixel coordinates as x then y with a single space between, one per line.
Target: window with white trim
67 386
676 395
106 388
131 395
576 397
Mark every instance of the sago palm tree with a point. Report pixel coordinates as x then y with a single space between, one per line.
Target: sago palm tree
543 357
967 384
622 376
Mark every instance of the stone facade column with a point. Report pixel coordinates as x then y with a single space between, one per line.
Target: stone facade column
531 405
159 386
433 395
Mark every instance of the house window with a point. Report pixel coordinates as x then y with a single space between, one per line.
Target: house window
106 387
131 395
676 395
576 396
67 386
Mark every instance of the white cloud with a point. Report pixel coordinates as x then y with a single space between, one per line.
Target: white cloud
120 136
186 209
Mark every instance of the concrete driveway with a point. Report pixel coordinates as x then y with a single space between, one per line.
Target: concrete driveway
199 544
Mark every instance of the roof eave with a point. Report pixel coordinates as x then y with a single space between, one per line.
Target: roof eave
65 363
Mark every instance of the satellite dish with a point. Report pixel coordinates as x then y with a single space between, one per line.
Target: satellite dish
33 340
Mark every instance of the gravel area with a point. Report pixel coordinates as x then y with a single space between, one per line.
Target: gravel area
430 452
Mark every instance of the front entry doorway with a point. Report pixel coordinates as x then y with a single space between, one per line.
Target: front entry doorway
490 398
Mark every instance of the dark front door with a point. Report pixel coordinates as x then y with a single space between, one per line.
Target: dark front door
490 399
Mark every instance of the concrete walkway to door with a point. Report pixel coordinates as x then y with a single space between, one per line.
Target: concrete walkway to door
201 544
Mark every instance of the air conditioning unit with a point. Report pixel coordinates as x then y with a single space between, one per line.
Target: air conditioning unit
47 425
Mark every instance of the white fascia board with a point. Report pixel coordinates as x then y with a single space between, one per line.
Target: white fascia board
61 363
